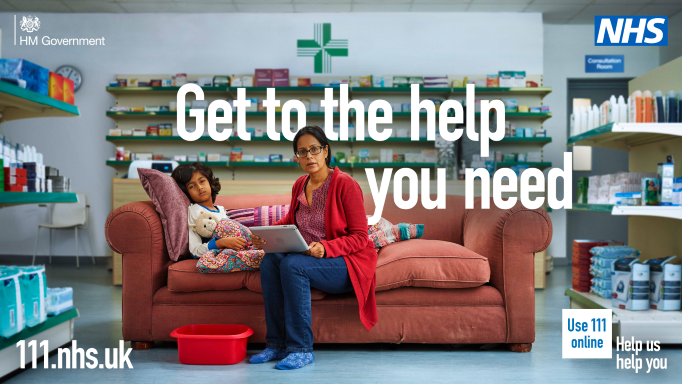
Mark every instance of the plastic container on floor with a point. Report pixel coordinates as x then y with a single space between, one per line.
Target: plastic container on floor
212 344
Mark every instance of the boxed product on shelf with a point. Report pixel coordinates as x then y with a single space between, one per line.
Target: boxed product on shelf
264 78
35 76
261 159
510 105
665 182
275 158
435 82
33 286
205 82
59 300
366 81
492 81
666 281
630 285
56 86
581 261
512 78
221 80
12 319
280 77
400 82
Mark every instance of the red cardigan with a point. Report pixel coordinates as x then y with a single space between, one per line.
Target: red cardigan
345 225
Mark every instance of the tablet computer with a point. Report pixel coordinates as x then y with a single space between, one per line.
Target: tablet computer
281 239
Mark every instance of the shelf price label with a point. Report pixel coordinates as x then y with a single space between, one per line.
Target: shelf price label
586 334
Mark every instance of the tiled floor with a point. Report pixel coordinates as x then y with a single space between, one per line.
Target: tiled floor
99 326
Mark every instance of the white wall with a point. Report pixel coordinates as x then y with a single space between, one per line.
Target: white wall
674 48
380 43
565 47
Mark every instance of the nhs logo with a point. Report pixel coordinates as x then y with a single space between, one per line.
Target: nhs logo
631 30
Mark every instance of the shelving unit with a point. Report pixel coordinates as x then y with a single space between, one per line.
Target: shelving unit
624 136
651 324
653 230
19 103
57 330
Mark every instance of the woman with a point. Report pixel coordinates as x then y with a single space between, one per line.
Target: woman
328 208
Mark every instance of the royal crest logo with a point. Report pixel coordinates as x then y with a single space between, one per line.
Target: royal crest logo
30 23
322 48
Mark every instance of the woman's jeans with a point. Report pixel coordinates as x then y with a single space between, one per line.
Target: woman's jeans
286 280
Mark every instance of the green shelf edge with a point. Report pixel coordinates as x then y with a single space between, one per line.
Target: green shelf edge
590 134
287 164
37 98
605 208
237 139
37 197
504 164
210 163
28 332
582 299
458 90
219 114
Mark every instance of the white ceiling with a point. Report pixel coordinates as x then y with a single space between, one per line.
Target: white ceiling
554 11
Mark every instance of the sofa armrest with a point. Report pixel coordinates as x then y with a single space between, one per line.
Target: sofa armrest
509 239
135 231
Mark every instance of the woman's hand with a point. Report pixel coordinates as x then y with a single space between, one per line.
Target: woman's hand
235 243
316 250
257 241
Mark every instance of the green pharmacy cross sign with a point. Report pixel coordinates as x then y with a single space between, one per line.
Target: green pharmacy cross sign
323 48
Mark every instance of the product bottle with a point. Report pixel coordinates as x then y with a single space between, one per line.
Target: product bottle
595 116
647 103
604 112
583 120
622 109
613 110
659 107
575 120
670 108
589 115
679 107
636 106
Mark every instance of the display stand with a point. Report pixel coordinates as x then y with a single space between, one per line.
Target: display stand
653 230
652 324
19 103
57 330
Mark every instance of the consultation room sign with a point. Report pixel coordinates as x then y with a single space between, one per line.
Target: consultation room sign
604 63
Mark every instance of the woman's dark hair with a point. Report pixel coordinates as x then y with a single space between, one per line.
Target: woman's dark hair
317 133
183 174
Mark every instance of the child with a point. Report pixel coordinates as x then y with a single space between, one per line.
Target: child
197 182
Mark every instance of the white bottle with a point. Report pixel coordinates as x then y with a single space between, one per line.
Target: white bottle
596 117
604 112
613 110
575 122
622 110
583 120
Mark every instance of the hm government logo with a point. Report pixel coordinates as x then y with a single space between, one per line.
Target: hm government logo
30 23
322 48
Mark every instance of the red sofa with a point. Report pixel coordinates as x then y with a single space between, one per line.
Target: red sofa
469 280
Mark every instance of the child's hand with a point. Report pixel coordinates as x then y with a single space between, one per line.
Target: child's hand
257 241
235 243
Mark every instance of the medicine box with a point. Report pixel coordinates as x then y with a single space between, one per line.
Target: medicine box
665 183
630 284
666 280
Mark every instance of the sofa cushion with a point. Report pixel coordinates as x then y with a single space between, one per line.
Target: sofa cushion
171 204
183 276
430 263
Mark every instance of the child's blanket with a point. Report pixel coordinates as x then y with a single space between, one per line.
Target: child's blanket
229 260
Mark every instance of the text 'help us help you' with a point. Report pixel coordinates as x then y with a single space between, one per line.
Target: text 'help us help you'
379 133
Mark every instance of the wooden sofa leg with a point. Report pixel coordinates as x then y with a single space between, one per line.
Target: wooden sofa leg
141 345
519 347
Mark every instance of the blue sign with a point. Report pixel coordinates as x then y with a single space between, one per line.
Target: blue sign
604 63
631 30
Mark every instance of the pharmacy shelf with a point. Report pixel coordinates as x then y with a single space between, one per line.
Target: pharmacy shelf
138 90
19 198
542 141
173 114
253 138
507 164
542 116
542 91
651 324
57 330
19 103
623 136
656 211
113 163
340 165
605 208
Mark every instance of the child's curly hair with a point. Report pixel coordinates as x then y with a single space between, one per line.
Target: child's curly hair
183 174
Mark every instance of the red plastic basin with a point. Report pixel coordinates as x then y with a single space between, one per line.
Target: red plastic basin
212 344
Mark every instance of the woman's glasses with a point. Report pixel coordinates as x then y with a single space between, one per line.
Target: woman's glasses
313 151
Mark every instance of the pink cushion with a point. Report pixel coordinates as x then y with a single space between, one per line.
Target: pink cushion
171 204
243 216
258 217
